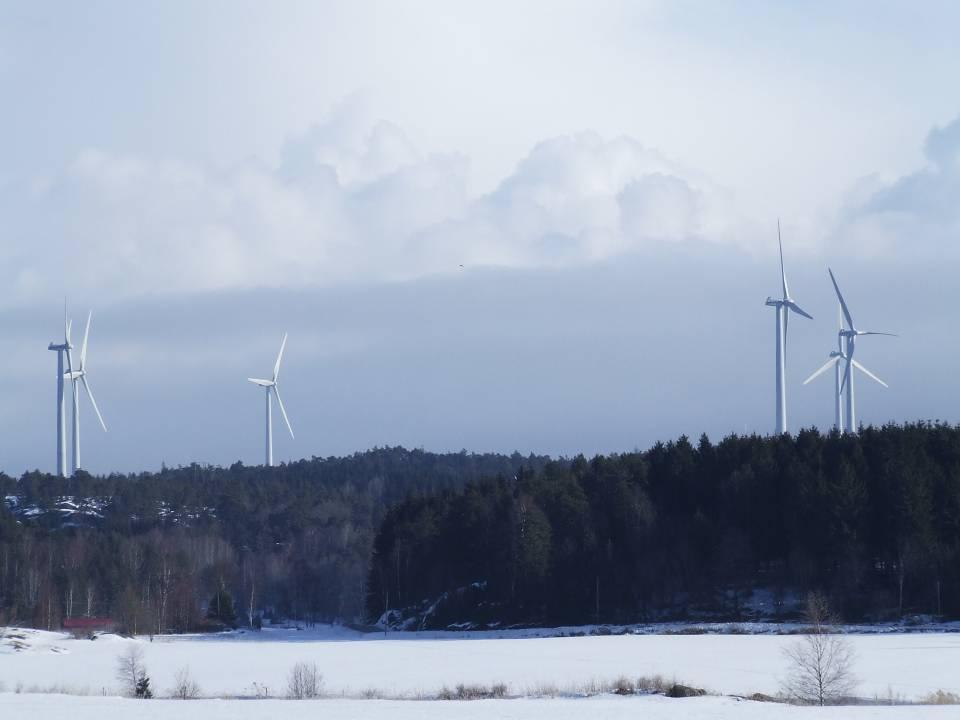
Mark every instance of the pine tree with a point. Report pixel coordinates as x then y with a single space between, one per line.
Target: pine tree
221 607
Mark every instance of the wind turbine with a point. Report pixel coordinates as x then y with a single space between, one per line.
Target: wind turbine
272 388
78 377
850 335
783 308
836 361
60 348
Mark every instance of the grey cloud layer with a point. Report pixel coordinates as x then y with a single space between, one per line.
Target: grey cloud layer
606 357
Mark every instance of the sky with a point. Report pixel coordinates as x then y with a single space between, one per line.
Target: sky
546 227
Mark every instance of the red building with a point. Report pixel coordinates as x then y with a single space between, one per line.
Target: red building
88 625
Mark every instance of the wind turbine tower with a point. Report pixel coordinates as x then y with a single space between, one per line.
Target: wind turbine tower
784 307
836 361
60 349
271 388
849 336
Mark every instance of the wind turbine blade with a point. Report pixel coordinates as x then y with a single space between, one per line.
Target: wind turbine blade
826 366
846 376
783 274
276 391
843 304
276 367
83 348
86 386
869 374
798 310
66 336
261 383
878 333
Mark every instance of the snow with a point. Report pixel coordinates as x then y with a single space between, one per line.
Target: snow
75 511
607 707
407 664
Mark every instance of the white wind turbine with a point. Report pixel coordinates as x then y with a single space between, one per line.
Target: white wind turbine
836 362
850 335
78 377
272 388
783 307
60 348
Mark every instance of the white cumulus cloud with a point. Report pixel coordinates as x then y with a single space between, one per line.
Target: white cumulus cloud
349 200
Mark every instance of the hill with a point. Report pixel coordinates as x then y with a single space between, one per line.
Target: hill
151 550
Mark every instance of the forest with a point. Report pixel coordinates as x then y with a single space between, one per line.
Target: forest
156 551
686 531
424 540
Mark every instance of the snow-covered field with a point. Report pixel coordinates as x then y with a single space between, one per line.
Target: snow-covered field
404 665
44 707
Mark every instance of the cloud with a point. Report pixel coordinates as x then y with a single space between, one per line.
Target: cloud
916 213
943 145
580 198
350 199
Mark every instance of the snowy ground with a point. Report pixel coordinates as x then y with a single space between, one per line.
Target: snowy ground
607 707
406 665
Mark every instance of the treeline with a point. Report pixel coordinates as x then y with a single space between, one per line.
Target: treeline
151 551
678 531
686 531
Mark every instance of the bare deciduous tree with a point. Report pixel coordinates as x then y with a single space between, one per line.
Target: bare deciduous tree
131 669
184 686
304 681
821 662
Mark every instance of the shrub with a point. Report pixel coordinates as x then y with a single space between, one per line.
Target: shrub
473 692
132 672
654 684
624 686
941 697
304 681
544 690
184 686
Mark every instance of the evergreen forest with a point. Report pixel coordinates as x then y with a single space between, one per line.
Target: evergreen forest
732 530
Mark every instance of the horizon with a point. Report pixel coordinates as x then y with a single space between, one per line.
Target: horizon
692 440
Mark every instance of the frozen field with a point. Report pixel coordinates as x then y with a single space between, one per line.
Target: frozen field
43 707
906 665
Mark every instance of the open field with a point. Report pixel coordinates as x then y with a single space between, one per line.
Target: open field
403 665
607 707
